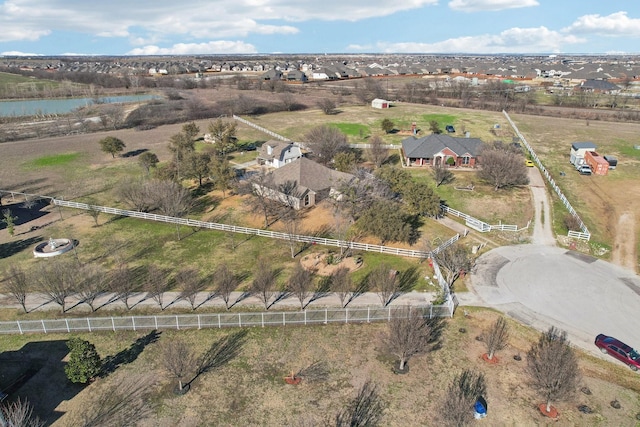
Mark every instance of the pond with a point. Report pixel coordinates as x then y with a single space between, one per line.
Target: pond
61 106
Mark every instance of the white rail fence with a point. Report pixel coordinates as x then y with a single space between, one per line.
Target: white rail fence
222 320
479 225
256 231
261 129
584 234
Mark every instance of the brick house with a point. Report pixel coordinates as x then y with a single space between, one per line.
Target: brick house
436 149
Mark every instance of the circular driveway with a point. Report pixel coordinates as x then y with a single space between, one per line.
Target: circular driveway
543 286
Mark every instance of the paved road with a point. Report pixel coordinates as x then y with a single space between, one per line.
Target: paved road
542 285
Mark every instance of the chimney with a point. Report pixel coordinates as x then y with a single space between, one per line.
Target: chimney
269 150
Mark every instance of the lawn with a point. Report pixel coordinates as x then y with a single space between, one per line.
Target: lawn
249 389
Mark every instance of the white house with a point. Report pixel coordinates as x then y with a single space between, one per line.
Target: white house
278 153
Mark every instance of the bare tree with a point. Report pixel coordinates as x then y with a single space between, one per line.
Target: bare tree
113 113
17 284
157 284
365 410
93 283
377 152
497 337
123 284
225 283
123 403
552 366
172 199
382 279
94 212
178 360
261 203
19 414
325 142
264 281
55 279
441 174
135 194
456 409
453 260
300 283
409 333
188 280
341 284
502 166
327 105
289 194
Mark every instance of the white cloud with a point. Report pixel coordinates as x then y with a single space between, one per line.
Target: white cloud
514 40
221 19
15 34
617 24
490 5
213 47
360 48
17 53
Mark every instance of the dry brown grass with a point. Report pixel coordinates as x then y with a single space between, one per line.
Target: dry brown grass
250 390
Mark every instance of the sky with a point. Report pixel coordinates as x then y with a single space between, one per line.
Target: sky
189 27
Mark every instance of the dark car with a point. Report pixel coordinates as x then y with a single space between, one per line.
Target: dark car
450 129
619 350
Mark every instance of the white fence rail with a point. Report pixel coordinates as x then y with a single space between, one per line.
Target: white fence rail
479 225
387 146
585 234
261 129
221 320
254 231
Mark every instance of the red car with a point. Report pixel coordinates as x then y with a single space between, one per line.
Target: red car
619 350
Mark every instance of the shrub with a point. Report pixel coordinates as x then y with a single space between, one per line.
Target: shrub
84 361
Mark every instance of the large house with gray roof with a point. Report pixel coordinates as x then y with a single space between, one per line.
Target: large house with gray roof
436 149
303 183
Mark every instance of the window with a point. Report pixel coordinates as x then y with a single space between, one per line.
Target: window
466 160
306 200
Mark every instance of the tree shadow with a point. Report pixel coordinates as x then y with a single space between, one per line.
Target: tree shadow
281 295
35 372
406 282
243 296
436 325
25 212
220 353
322 290
359 289
128 355
393 159
11 248
134 153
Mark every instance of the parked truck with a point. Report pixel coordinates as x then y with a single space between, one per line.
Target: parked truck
598 164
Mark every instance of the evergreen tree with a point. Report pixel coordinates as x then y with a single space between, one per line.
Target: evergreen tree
84 361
